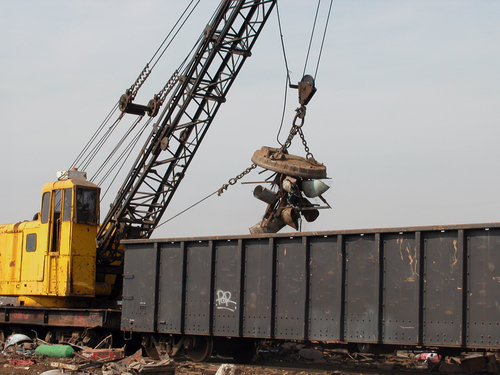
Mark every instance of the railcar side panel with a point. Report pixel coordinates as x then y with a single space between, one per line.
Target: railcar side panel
291 288
362 288
483 258
140 288
227 288
171 287
401 288
443 288
258 288
198 306
325 288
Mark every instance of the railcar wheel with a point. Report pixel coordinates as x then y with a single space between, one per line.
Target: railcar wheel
244 351
201 349
364 347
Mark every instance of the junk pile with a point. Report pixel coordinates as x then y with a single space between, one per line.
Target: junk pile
69 358
21 353
399 360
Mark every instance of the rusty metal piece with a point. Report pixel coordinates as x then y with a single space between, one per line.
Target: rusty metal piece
109 354
290 217
308 210
288 164
61 317
273 226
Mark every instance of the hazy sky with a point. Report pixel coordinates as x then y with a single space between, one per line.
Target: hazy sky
406 117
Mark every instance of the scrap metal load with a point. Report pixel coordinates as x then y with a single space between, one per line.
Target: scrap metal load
296 178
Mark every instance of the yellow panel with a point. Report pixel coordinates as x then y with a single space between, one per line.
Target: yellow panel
32 266
10 257
83 262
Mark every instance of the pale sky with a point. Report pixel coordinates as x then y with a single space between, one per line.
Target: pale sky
406 116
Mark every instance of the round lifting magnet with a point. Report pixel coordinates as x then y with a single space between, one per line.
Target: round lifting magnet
291 165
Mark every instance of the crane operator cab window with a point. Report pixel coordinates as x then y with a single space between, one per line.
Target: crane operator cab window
68 205
86 206
55 217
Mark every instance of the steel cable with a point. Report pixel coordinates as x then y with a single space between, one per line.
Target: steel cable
323 39
288 80
311 39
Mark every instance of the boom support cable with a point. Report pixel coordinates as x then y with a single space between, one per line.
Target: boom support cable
97 141
311 39
323 39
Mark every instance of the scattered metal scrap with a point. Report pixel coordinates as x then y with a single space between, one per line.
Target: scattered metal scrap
270 356
400 360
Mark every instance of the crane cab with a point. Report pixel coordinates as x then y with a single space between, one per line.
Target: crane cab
51 260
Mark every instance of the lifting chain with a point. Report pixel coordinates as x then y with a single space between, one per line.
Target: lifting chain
234 180
297 128
301 113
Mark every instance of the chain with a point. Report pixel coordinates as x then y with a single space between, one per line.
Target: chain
301 113
138 83
297 128
155 103
309 155
234 180
168 87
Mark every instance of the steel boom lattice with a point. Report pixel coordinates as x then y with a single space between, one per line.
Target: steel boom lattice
168 151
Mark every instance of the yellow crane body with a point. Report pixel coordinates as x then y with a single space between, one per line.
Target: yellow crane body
51 260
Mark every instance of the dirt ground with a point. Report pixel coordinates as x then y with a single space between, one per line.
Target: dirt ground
11 366
287 359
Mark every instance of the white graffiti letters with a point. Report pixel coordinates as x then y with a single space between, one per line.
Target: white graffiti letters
224 302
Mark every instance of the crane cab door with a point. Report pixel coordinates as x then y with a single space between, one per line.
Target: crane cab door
55 237
60 232
69 219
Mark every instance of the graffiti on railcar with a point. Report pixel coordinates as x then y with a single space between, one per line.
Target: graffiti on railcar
224 302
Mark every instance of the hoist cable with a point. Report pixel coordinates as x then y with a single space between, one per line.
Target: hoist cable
311 39
177 32
173 27
288 80
283 112
115 149
99 145
323 39
130 148
94 136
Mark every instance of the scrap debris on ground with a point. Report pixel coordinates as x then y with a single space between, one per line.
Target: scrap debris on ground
22 355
